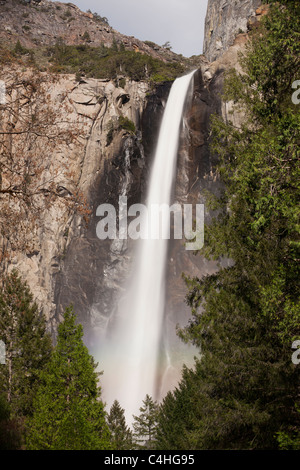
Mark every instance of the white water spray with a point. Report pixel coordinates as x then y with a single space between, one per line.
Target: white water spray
136 337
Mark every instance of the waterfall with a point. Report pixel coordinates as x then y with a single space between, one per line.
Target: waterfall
135 341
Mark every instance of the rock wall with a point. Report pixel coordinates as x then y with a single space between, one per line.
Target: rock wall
62 264
225 19
92 271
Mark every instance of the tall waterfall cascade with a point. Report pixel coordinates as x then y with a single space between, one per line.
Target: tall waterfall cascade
134 345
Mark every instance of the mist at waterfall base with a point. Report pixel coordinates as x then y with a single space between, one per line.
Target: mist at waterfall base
132 352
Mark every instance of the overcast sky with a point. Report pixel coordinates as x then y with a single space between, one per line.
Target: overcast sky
181 22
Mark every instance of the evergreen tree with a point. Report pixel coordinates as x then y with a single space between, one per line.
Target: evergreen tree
177 417
243 390
121 436
27 343
145 424
68 411
10 435
290 439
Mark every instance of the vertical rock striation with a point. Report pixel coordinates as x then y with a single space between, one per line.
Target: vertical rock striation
225 19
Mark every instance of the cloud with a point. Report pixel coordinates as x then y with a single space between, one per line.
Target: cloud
181 22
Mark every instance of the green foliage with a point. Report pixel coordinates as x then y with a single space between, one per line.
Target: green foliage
288 441
259 164
97 17
110 133
151 44
107 63
28 345
121 436
68 411
145 424
20 50
243 390
67 15
121 82
245 384
122 123
157 78
86 36
126 124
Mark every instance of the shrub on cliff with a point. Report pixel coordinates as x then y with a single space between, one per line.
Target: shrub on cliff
126 124
103 62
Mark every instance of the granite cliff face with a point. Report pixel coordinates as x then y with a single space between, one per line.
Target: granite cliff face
63 264
225 19
92 269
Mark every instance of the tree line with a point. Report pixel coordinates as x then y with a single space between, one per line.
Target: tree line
50 396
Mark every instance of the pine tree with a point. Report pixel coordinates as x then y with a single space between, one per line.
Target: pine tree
27 344
68 411
177 416
290 439
121 436
145 424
